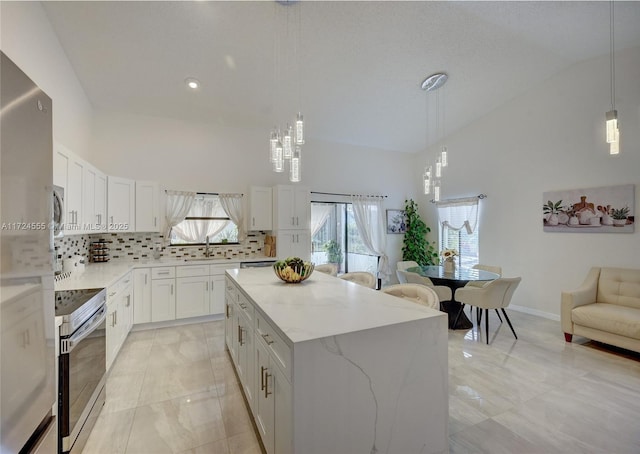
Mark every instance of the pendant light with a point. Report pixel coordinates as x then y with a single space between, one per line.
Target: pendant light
432 181
611 117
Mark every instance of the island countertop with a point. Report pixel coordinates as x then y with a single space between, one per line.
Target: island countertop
323 305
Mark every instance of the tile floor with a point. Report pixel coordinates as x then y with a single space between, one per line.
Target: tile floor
173 390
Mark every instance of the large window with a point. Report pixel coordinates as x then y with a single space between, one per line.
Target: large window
335 239
206 218
459 228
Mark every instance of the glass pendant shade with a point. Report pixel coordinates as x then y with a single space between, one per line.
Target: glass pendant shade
438 169
443 157
436 191
278 163
286 143
294 170
273 141
299 129
427 186
612 126
614 148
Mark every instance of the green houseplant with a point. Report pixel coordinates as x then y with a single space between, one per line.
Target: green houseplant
415 246
619 216
334 251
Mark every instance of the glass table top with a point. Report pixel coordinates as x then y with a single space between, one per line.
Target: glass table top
460 274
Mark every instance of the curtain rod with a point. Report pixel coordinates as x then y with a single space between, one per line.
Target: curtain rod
480 196
205 193
347 195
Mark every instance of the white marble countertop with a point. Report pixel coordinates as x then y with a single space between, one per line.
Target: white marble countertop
323 305
100 275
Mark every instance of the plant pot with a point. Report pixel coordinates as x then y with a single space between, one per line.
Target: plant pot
619 222
553 220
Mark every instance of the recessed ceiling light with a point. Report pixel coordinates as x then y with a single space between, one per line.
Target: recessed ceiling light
192 83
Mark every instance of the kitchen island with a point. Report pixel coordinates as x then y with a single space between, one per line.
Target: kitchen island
328 366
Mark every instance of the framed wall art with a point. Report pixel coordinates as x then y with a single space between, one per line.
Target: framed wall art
607 209
396 221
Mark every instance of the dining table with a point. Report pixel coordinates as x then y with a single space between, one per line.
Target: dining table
460 277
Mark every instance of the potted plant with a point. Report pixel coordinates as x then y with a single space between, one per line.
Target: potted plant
552 210
334 252
619 216
415 246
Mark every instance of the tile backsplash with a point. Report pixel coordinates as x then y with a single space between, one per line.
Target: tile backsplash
139 246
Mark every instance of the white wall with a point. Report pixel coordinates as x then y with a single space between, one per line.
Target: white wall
27 38
551 138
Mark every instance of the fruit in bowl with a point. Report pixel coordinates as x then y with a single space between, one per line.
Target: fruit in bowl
293 269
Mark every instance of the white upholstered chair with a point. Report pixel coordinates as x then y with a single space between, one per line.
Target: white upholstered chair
494 295
327 268
417 293
361 278
406 277
406 264
492 269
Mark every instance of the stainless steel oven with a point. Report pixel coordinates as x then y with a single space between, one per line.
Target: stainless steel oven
82 364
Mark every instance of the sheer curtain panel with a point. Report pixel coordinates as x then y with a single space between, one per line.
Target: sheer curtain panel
197 230
178 205
232 205
459 213
319 214
369 217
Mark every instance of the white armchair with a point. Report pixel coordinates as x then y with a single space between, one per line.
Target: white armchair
415 292
406 277
361 278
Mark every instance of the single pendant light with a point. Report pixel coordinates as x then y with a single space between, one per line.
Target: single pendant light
611 117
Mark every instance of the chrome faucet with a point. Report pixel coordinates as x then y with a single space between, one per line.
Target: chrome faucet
207 249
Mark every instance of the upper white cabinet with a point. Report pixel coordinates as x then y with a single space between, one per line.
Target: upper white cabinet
95 200
260 208
147 206
292 207
121 208
68 172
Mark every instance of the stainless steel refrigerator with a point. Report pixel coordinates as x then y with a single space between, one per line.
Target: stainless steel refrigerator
27 352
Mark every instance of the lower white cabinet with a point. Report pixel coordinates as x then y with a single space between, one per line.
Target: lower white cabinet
163 300
119 316
142 295
192 299
257 354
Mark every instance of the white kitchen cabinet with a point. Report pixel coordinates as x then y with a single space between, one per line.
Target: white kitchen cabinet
192 298
291 207
68 172
163 299
231 299
147 206
293 243
95 200
216 294
142 295
119 316
245 349
260 216
121 204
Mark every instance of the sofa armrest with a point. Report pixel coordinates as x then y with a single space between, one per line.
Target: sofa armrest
585 294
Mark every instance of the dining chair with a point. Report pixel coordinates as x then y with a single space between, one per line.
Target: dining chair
406 264
361 278
407 277
327 268
495 294
417 293
492 269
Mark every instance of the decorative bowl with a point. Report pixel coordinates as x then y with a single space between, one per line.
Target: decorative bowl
294 274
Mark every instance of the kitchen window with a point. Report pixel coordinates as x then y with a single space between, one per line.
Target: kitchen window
458 220
206 218
335 239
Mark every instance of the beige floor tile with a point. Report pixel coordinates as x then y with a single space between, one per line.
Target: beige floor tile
176 425
171 382
178 353
122 392
179 333
213 329
130 361
235 414
244 443
111 433
216 447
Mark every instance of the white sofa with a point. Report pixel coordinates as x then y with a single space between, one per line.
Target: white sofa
605 308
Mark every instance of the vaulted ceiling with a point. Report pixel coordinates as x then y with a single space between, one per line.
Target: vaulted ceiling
353 68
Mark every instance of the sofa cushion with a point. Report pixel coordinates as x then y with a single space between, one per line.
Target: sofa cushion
611 318
619 286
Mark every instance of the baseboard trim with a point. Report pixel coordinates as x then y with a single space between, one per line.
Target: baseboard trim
528 310
177 322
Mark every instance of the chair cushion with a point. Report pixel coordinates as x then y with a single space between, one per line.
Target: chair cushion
610 318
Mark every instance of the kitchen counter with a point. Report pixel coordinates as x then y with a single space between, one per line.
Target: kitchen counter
100 275
359 371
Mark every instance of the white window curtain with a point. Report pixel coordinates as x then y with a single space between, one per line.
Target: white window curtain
369 217
178 205
457 214
319 214
197 230
232 205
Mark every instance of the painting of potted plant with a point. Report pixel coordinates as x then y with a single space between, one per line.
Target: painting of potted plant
619 216
552 210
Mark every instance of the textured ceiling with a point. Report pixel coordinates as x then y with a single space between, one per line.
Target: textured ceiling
357 68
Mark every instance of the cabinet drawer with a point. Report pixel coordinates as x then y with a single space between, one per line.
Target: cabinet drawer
279 350
218 268
163 272
231 291
192 271
124 283
246 308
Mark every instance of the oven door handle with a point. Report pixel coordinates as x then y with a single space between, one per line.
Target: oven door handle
67 345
